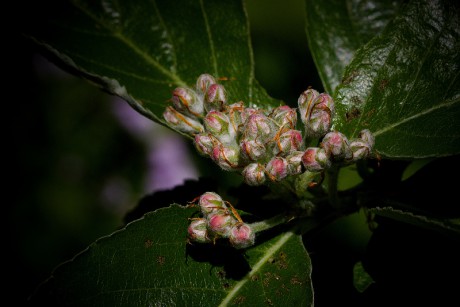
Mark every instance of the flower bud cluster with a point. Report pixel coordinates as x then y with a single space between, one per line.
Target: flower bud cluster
263 145
335 148
219 221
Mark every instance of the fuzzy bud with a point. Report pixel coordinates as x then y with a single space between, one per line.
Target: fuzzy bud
287 142
294 161
252 150
242 236
315 159
182 122
220 224
203 82
254 174
319 121
227 157
204 143
197 231
210 202
337 146
305 103
362 147
277 168
259 126
284 116
215 98
219 125
187 102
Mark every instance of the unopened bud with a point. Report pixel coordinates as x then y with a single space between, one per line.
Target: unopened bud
319 121
315 159
242 236
285 117
187 102
277 168
254 174
220 224
294 161
362 147
204 143
305 103
258 125
215 98
210 202
218 124
182 122
197 231
203 82
337 146
252 150
288 141
227 157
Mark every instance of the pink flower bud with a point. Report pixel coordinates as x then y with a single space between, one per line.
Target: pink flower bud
319 120
197 231
210 202
294 161
277 168
288 141
204 143
187 102
367 137
227 157
242 236
203 82
220 224
284 116
259 126
363 146
218 124
254 174
336 144
181 122
252 150
215 98
305 103
315 159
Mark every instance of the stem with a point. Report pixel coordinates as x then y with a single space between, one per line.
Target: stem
270 223
333 178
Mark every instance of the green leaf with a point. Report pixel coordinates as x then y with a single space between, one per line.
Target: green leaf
337 28
404 84
149 263
443 226
142 50
361 279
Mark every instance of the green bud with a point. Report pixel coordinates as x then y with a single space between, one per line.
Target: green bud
252 150
220 224
294 161
215 98
227 157
204 143
319 120
219 125
198 232
284 116
203 82
182 122
305 103
187 102
288 141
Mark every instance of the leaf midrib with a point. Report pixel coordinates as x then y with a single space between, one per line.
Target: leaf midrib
120 36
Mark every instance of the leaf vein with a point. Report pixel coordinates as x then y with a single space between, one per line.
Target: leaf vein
211 41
